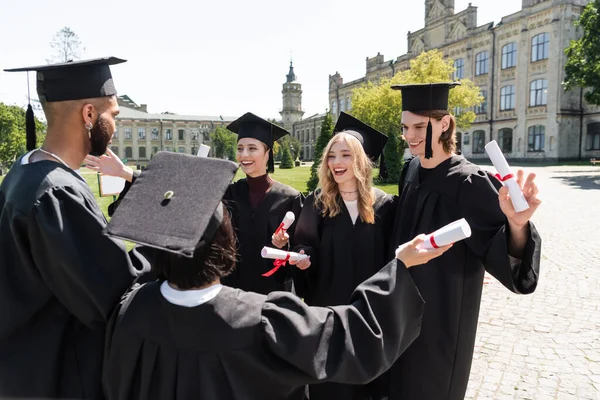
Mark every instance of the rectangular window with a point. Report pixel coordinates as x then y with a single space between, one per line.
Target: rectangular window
142 152
509 55
459 66
540 47
181 134
127 132
507 98
181 149
481 108
481 63
141 133
154 133
168 134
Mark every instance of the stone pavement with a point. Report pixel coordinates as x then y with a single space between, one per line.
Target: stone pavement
547 345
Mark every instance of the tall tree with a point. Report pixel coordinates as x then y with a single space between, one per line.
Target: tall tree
381 107
224 142
322 140
292 143
66 46
12 134
583 55
286 158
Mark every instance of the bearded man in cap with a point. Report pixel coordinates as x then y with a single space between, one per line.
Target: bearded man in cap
60 277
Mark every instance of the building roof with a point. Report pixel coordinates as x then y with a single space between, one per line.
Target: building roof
131 113
291 77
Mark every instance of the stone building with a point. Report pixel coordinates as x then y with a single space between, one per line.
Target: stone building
140 135
518 65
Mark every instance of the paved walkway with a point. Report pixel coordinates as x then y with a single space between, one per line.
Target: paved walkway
547 345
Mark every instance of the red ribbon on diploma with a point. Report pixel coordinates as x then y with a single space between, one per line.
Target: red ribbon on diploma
433 243
280 229
278 264
504 178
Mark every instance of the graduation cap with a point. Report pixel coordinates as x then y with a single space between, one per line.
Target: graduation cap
371 139
73 80
252 126
175 203
426 97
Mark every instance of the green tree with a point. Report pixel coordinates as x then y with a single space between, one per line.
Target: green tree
66 46
292 143
286 158
583 55
12 134
381 107
276 151
224 142
322 140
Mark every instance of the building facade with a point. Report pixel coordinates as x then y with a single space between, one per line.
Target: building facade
518 65
140 135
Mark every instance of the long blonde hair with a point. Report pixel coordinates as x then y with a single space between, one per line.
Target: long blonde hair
327 197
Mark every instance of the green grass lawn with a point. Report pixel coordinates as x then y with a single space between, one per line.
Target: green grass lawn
296 178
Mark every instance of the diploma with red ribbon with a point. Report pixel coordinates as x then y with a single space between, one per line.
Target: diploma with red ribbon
281 258
506 177
451 233
288 220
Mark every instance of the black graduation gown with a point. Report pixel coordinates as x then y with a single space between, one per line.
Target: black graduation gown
437 365
343 255
254 228
60 278
243 345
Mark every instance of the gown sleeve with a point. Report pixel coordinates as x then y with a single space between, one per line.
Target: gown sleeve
346 344
478 199
307 237
86 270
296 208
112 207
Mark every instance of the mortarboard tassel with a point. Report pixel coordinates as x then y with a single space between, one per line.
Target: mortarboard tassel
428 139
429 132
271 162
29 123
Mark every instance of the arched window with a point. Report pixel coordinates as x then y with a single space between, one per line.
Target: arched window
538 93
505 139
536 137
478 142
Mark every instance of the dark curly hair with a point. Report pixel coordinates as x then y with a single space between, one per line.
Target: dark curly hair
208 263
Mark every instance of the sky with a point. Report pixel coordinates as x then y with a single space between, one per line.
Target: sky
222 57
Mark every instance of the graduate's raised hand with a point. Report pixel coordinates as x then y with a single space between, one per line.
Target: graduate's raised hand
109 164
411 255
530 190
302 264
280 239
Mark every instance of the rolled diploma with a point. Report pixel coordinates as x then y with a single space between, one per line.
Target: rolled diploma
497 158
203 150
276 254
288 220
451 233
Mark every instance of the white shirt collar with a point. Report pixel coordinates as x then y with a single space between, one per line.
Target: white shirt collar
189 298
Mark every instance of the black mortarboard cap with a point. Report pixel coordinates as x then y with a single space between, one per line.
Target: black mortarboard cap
371 139
72 80
175 203
426 97
252 126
